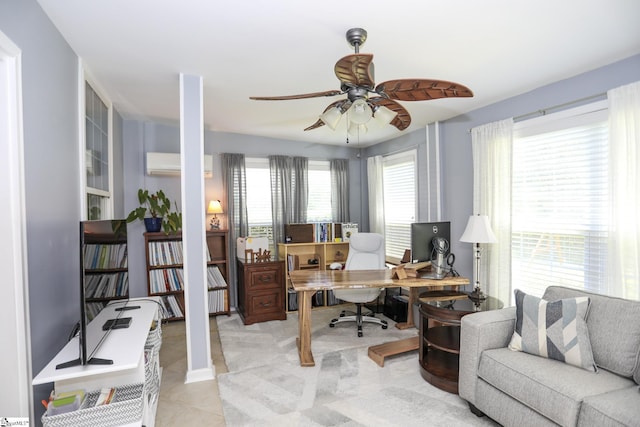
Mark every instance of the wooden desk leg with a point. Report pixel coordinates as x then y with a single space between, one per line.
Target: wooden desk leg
413 297
304 329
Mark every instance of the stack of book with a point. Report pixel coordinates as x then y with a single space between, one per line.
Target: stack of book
215 279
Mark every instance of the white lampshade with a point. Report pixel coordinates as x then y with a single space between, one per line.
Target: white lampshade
214 207
331 117
360 112
356 129
478 230
383 115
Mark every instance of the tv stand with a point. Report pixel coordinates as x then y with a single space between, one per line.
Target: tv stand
119 361
99 361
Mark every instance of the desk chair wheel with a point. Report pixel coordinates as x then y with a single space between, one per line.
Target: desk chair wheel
359 319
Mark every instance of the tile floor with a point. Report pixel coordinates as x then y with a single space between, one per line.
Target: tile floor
195 404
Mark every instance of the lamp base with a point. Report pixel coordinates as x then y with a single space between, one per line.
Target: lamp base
477 297
215 223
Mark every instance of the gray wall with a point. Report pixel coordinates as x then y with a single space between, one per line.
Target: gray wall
49 94
52 179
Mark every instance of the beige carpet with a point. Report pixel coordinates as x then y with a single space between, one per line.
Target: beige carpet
266 385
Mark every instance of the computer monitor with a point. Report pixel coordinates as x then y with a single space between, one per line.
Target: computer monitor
422 234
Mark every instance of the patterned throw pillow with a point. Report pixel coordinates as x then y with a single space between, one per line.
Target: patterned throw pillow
553 329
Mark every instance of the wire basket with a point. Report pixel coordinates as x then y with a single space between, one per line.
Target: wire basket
126 407
151 371
154 339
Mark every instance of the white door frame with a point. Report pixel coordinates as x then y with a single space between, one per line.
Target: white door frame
16 396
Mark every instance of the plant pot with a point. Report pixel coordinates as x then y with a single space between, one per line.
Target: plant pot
153 224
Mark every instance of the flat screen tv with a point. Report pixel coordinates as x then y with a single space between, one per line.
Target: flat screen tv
422 241
104 279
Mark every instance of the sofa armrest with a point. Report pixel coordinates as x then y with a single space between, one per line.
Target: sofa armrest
479 332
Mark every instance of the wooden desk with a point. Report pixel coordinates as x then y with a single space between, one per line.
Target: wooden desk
307 282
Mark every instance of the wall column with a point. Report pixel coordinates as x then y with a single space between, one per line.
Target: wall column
199 365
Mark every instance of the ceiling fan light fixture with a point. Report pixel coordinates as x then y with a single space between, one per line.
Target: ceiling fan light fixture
360 112
357 129
331 117
383 115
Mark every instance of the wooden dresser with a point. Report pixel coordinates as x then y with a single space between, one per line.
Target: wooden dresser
261 291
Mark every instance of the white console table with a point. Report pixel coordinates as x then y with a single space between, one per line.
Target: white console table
125 347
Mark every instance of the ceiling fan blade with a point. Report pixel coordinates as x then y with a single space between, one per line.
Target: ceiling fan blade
316 125
302 96
402 120
356 70
421 89
344 103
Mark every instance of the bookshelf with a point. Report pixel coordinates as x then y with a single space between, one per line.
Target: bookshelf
106 276
165 277
218 271
303 256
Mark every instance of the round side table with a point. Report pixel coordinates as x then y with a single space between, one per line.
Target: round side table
440 346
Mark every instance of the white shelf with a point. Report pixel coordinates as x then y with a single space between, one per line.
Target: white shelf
125 347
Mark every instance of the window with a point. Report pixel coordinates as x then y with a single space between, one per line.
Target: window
560 201
319 201
259 198
259 195
98 155
399 182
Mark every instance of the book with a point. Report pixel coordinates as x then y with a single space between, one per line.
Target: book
63 403
347 230
106 396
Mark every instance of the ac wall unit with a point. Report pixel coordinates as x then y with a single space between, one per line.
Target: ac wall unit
169 164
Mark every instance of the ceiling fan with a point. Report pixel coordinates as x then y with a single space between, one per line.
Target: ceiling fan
365 100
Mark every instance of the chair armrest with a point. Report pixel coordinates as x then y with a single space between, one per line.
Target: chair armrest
479 332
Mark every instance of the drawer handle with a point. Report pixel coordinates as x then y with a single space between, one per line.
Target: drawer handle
265 304
266 278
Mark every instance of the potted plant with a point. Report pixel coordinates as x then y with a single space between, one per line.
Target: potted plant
155 211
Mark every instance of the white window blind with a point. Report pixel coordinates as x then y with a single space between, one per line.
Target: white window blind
258 192
319 200
399 181
559 201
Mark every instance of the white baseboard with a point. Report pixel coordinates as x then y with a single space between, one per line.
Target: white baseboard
197 375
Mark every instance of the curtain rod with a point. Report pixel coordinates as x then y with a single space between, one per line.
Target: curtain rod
545 111
558 107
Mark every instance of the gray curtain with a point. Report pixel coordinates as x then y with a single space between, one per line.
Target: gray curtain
234 183
300 193
280 169
340 190
289 193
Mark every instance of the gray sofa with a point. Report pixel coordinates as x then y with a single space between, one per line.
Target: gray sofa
519 389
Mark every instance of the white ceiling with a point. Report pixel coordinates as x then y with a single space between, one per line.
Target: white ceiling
498 48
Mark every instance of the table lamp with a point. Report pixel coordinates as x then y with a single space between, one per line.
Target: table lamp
215 208
478 231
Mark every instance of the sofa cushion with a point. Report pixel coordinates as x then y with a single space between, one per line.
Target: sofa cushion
614 409
553 329
614 330
550 387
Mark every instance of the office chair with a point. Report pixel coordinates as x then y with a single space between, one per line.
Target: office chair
366 252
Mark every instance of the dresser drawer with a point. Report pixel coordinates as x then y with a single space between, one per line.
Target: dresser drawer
264 278
266 303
